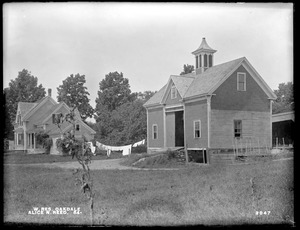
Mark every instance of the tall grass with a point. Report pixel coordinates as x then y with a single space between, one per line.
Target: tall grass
209 195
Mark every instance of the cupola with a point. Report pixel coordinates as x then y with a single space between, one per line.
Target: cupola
204 56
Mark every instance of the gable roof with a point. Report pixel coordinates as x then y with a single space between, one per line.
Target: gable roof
205 83
156 98
25 107
38 105
182 83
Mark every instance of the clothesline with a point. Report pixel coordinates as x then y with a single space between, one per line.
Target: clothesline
126 149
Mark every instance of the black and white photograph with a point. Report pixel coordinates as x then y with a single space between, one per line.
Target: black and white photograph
148 114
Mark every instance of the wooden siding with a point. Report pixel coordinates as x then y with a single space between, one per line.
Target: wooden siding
155 116
170 129
228 98
196 111
255 126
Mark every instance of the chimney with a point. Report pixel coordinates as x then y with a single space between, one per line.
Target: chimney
49 92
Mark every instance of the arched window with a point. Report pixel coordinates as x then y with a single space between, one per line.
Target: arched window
210 61
205 60
200 60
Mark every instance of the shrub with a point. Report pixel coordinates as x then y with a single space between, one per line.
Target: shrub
139 149
171 154
6 144
100 152
43 139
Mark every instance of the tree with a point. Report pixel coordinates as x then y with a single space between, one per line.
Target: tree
187 69
146 95
130 122
114 91
285 98
74 94
24 88
115 104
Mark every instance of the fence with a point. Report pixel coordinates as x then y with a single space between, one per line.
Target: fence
251 146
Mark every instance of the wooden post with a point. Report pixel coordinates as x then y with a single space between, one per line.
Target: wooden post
258 146
186 155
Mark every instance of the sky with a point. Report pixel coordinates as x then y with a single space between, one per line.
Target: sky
147 42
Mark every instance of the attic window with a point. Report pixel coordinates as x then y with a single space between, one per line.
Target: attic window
19 119
241 81
173 92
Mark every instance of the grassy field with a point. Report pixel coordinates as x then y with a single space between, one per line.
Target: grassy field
19 157
205 195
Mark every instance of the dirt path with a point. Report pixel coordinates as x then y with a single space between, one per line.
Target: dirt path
95 165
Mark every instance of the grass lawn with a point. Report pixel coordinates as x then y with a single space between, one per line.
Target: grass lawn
206 195
19 157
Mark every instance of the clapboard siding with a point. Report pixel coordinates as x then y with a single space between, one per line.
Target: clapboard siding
255 125
196 111
227 97
155 116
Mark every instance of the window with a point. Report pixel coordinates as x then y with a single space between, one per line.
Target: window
19 119
57 118
154 132
238 128
205 60
210 61
241 81
173 92
200 61
20 138
77 128
197 129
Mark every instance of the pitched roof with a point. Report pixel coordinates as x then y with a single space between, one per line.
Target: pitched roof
156 98
25 107
182 83
190 85
205 81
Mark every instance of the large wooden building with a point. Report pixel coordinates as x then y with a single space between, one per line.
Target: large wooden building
210 107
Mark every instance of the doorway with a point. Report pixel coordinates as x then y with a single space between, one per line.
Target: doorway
179 129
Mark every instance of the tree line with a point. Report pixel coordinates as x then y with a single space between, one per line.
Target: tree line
119 113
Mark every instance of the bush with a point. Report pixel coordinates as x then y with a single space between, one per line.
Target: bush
6 144
100 152
139 149
43 139
171 154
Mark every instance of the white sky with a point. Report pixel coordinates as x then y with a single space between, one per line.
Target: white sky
147 42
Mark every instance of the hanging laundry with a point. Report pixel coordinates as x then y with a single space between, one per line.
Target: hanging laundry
108 152
126 149
142 142
92 147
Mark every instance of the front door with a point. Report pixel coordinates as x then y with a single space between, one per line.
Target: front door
179 129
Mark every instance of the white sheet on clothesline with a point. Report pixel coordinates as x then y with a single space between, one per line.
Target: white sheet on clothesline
142 142
126 149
